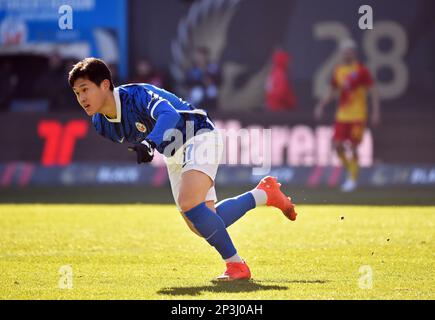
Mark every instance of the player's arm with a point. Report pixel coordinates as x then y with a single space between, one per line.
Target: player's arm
376 105
166 118
327 99
373 92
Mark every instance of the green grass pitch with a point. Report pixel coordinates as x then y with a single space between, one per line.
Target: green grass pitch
148 252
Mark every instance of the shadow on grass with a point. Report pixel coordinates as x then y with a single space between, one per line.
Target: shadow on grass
232 287
219 287
296 281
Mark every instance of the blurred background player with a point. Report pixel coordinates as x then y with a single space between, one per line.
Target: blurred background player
352 82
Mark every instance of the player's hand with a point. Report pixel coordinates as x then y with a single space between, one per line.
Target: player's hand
144 151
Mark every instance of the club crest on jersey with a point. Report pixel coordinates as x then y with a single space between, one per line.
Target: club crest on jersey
141 127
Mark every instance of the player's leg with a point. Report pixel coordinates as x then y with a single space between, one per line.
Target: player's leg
356 135
345 162
192 201
266 193
340 136
354 163
195 186
232 209
341 153
349 183
192 183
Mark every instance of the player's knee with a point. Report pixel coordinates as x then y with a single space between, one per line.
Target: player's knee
355 153
187 203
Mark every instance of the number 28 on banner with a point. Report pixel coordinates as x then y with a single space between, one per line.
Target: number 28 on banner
392 59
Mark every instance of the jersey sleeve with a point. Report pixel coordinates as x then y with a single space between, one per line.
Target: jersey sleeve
164 114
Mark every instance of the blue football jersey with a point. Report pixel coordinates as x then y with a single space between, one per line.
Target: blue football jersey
145 111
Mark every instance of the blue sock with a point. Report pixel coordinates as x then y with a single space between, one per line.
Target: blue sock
212 228
232 209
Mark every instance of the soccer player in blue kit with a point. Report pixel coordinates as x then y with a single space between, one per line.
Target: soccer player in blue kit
152 119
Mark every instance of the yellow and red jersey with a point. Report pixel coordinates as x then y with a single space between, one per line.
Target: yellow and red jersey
352 81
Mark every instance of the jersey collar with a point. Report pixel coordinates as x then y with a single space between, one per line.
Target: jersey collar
118 107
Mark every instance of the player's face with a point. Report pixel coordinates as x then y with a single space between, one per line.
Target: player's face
348 55
90 96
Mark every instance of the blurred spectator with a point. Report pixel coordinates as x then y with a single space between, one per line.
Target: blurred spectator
279 92
146 73
67 95
8 82
52 83
114 70
203 80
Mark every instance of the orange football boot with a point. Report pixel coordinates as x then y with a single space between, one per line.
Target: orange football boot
276 198
235 271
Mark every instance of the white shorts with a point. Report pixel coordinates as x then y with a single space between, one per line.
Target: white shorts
202 153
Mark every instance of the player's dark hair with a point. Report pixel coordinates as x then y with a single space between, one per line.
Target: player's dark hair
93 69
